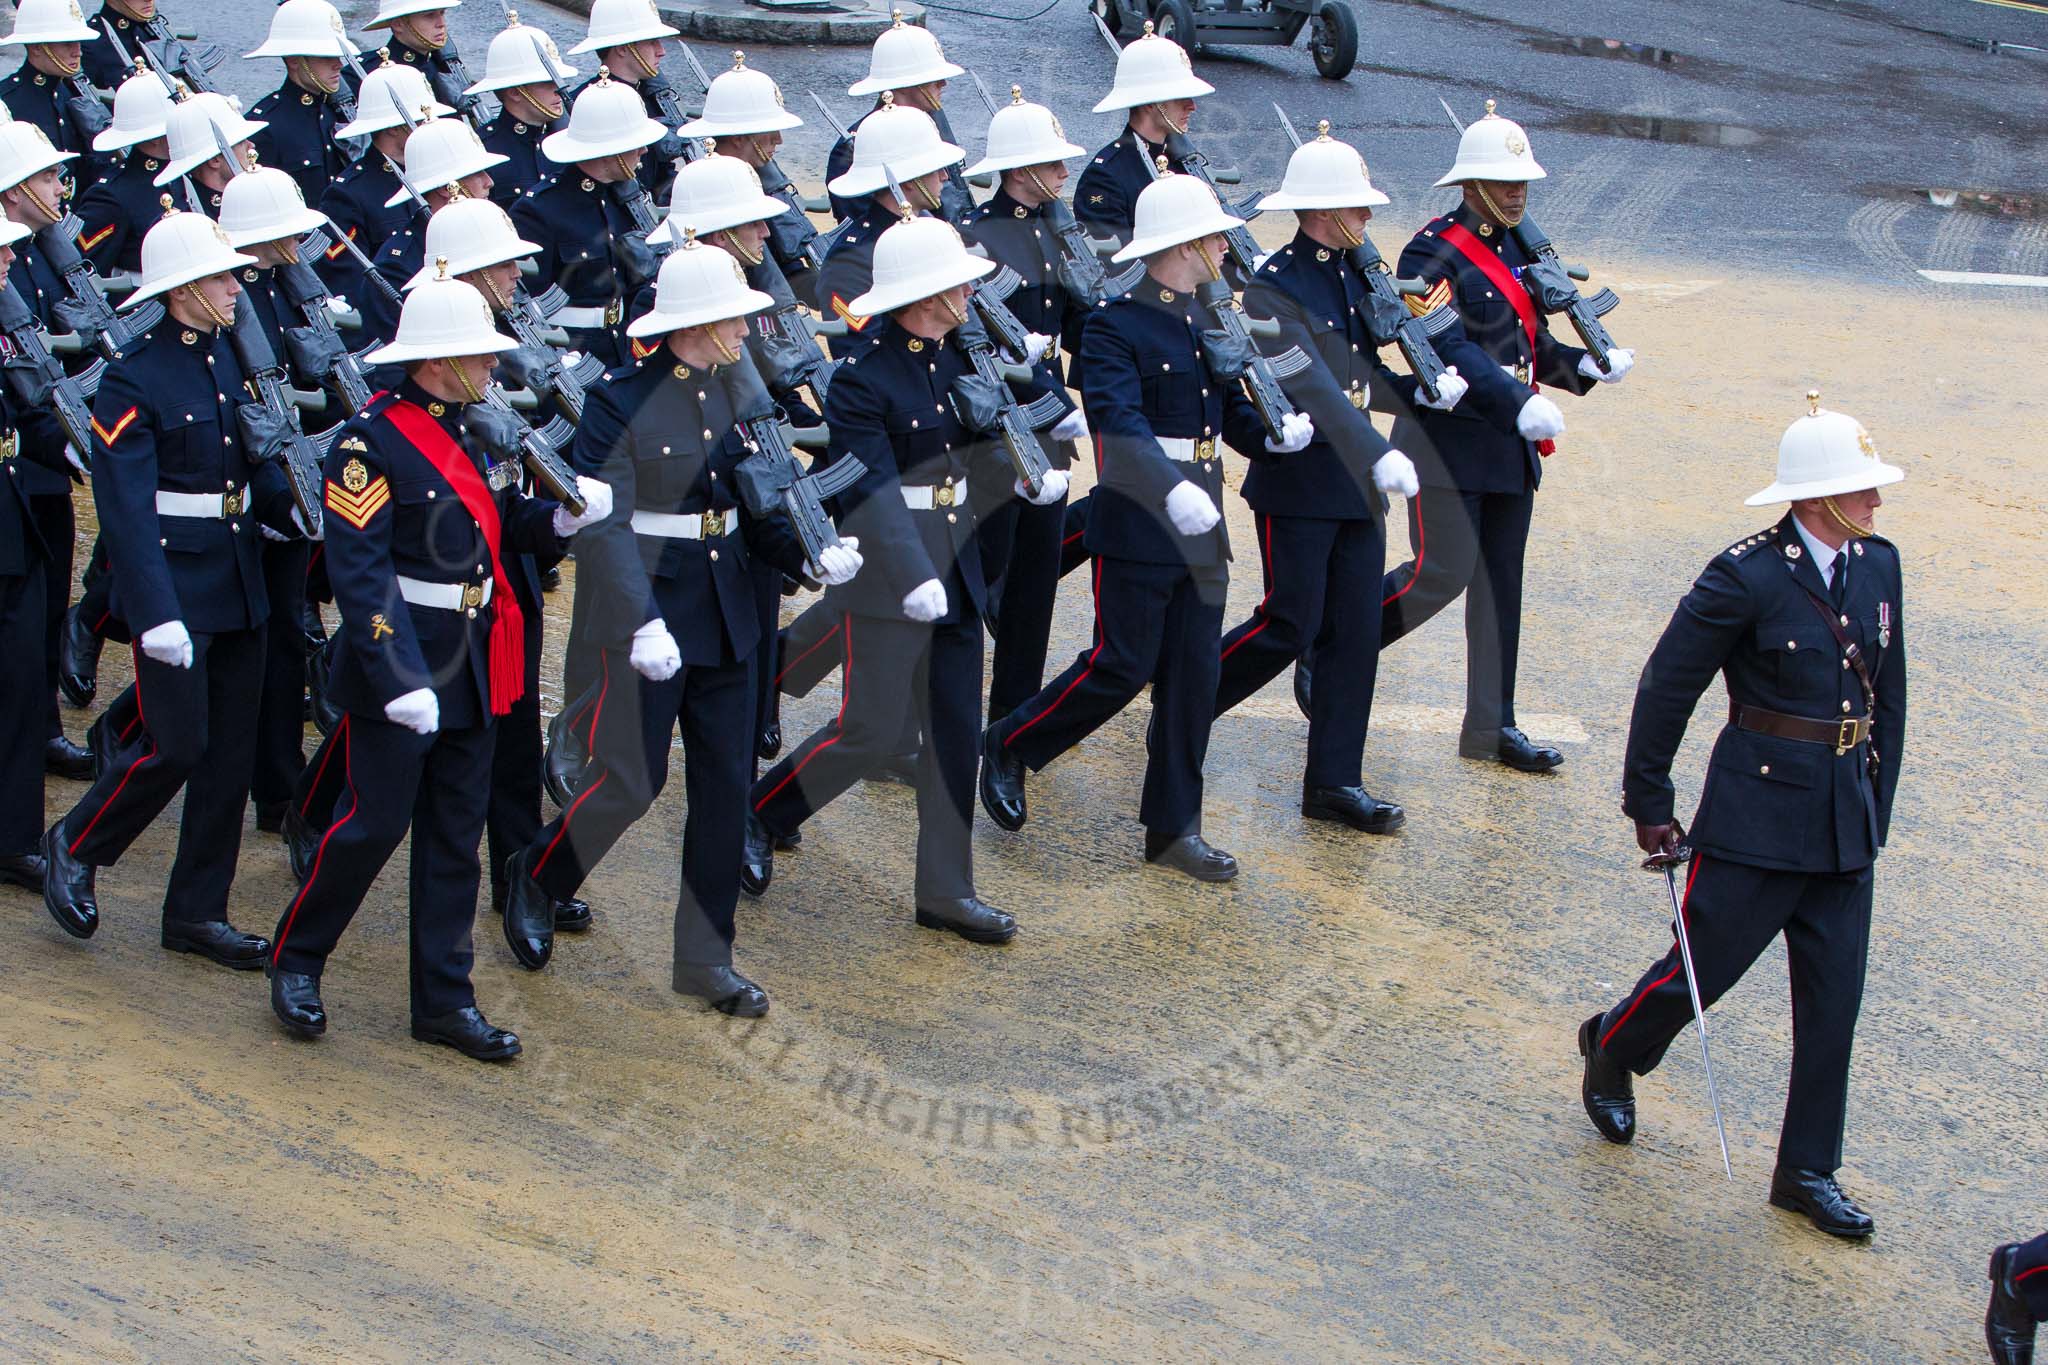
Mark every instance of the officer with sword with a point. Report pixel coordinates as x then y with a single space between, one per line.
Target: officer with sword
1803 622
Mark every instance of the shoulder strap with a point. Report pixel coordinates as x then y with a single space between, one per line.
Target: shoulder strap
1853 652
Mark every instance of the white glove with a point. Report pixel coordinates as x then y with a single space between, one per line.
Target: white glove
1450 388
300 522
271 534
418 711
926 602
1036 344
71 457
337 304
1539 419
1050 491
838 563
1622 360
571 359
597 505
1395 473
1072 427
168 644
1190 509
655 656
1296 431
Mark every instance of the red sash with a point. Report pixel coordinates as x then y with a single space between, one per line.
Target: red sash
507 663
1497 273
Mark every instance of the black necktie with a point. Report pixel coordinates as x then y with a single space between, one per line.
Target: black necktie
1839 577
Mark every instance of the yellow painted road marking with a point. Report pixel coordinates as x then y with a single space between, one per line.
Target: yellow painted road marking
2017 4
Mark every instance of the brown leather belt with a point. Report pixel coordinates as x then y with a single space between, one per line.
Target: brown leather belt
1840 735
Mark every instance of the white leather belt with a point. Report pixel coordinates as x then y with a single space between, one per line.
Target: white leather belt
925 497
446 596
1187 449
215 506
683 525
587 315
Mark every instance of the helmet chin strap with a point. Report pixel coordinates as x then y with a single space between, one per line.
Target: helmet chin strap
1167 119
288 250
625 172
729 354
1208 262
43 206
206 306
1031 174
638 60
739 248
954 310
461 368
1493 208
1344 229
305 69
418 39
500 302
1841 519
77 63
924 192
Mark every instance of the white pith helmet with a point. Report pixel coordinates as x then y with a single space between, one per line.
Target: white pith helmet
710 194
392 87
915 259
142 107
265 205
1151 70
470 234
49 21
24 150
443 319
390 10
515 58
740 101
1325 174
180 249
1023 134
11 231
1174 209
607 119
189 128
1493 148
306 28
894 140
1822 454
614 23
440 152
697 284
904 55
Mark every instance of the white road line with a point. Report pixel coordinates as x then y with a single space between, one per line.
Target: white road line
1986 277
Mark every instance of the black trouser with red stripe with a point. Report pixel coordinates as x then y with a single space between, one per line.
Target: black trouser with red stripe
58 525
898 677
195 733
1732 912
1471 543
281 714
22 686
1021 548
1314 571
1156 623
768 611
394 782
630 726
513 816
2030 1275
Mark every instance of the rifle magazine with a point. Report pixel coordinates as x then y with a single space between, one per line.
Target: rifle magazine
1289 362
1604 302
1438 320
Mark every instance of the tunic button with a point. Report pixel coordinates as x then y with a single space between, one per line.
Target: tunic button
469 611
664 450
1845 663
234 526
913 424
1765 770
1791 644
707 433
714 556
430 492
1845 708
952 517
1845 620
1164 366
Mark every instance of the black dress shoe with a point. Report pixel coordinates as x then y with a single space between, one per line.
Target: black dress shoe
312 629
295 1000
1002 783
1608 1088
566 756
768 742
301 842
900 769
67 886
1511 747
218 941
62 758
469 1033
78 661
572 916
99 739
24 869
2008 1326
326 715
1353 806
1815 1194
724 989
270 816
1302 672
529 915
1192 854
969 918
757 862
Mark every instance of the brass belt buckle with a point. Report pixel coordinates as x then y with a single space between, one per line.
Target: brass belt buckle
943 495
713 524
1359 397
9 444
1205 449
472 594
613 311
234 503
1522 372
1847 736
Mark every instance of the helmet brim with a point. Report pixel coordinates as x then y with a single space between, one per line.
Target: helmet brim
1874 474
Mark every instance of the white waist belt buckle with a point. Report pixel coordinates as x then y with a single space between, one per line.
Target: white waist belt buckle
444 596
925 497
683 525
213 506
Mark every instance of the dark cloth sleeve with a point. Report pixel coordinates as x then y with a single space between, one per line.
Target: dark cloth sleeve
872 508
1703 633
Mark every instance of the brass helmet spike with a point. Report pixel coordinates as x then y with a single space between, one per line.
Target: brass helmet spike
1160 162
604 75
1813 402
384 54
739 60
141 66
896 15
1016 94
1148 28
888 99
511 18
455 191
1489 109
180 91
689 239
710 146
1322 130
169 207
440 267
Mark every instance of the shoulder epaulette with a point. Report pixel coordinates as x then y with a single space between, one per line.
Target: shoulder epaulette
1767 536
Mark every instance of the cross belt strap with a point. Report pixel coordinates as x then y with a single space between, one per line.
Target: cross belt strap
1502 278
1853 653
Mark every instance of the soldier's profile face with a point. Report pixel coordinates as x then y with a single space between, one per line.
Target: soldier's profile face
751 236
431 26
1051 174
6 259
1178 112
1511 195
57 58
325 70
1861 507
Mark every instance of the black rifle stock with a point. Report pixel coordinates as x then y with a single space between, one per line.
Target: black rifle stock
1244 251
771 479
984 403
512 437
270 425
1550 285
316 347
38 377
1233 359
86 310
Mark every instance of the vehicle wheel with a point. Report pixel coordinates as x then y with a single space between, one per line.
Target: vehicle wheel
1110 13
1175 19
1333 39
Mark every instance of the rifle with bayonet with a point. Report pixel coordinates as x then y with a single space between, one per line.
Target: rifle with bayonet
792 235
315 345
171 58
785 340
37 377
984 403
84 109
985 295
770 479
270 425
86 310
508 435
538 366
1233 359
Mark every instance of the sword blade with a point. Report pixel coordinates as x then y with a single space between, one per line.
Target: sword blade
1699 1014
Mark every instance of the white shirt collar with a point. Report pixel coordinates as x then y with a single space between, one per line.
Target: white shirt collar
1823 554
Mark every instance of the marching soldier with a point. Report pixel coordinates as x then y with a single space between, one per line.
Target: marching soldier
28 432
1798 797
124 203
360 203
910 627
420 40
1162 552
580 222
1157 84
521 69
127 20
2019 1300
628 39
303 133
179 502
429 658
744 111
39 90
907 69
195 130
674 605
444 161
1479 470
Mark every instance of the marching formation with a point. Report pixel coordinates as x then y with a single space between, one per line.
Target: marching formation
402 339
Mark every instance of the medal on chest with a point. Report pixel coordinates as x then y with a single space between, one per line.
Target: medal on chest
503 475
1884 625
